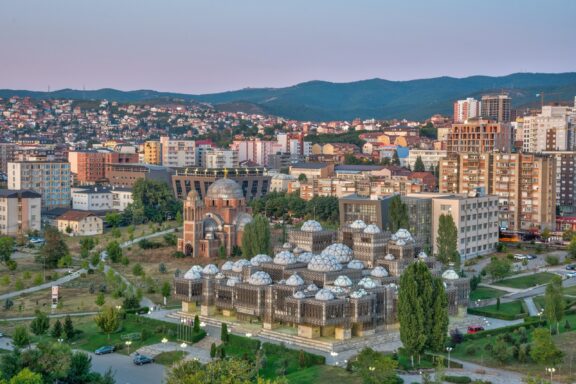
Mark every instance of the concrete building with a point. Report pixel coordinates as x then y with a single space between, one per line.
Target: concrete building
19 212
548 131
565 162
178 153
369 210
253 181
256 150
95 198
89 167
125 175
221 158
121 198
479 136
312 170
153 153
80 223
51 179
280 182
466 109
497 108
7 155
430 157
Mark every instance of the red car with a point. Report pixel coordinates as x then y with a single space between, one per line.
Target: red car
472 329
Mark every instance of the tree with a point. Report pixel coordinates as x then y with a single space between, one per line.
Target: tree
57 329
222 352
152 201
542 349
166 290
137 270
113 219
419 165
554 304
375 367
572 248
40 324
497 303
395 158
213 350
179 218
302 178
6 249
397 214
447 241
21 338
411 313
196 324
26 376
498 268
501 351
68 328
54 248
222 252
224 333
439 327
227 371
108 320
100 299
256 237
114 251
162 268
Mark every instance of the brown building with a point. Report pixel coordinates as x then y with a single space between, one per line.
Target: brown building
89 167
565 181
370 211
312 170
19 212
253 181
216 221
497 108
125 175
479 136
7 155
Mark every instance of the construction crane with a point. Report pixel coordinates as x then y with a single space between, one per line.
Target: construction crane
541 95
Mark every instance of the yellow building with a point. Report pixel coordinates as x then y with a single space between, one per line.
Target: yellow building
153 153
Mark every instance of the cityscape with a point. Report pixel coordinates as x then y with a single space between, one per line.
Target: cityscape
278 193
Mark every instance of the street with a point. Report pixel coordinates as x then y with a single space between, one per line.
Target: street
125 372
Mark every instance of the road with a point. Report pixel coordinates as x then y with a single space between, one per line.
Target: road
125 372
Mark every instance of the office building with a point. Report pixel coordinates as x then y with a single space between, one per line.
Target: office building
19 212
125 175
369 210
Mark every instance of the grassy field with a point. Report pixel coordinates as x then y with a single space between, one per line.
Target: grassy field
570 291
323 374
169 358
483 293
512 308
528 281
27 274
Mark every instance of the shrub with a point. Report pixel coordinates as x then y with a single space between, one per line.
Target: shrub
567 325
552 260
137 270
456 336
147 244
458 379
470 350
178 255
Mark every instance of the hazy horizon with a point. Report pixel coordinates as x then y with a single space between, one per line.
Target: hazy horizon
206 47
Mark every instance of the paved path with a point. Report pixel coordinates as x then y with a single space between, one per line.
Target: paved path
532 310
55 315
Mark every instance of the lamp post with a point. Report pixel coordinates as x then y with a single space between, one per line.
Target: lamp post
449 349
164 341
551 372
128 344
60 341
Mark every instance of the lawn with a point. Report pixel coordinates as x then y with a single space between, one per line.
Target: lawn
528 281
484 293
323 374
169 358
507 311
539 301
570 291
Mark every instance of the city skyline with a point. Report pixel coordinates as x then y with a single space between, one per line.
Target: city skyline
203 48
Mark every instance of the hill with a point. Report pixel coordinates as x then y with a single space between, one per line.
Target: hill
383 99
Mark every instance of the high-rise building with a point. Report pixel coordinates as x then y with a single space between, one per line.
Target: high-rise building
548 131
87 166
496 107
153 152
51 179
256 150
7 154
525 185
466 109
19 212
221 158
178 153
479 136
565 181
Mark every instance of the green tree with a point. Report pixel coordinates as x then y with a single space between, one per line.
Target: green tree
152 201
498 268
419 165
57 329
6 249
256 237
395 158
224 333
100 299
26 376
113 219
543 350
108 320
411 313
397 214
196 324
222 252
554 304
375 367
447 241
114 251
213 350
79 371
572 248
501 351
21 338
40 324
166 290
439 309
302 178
137 270
179 218
54 248
224 371
68 328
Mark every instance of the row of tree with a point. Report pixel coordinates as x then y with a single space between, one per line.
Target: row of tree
282 205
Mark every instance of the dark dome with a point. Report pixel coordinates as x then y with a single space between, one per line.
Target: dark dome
225 189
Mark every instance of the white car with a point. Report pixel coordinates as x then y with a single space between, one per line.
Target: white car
571 274
519 256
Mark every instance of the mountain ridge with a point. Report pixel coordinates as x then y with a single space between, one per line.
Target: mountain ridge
378 98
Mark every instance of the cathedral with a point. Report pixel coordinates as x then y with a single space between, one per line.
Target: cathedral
216 222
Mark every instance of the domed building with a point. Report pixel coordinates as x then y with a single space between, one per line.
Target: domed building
217 221
311 237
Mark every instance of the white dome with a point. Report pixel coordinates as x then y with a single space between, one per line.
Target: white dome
389 256
379 272
305 257
285 258
393 286
220 275
242 220
341 252
394 237
299 295
297 250
355 264
240 264
210 269
294 280
367 283
232 281
343 281
450 274
422 255
227 266
358 294
260 278
338 291
324 295
287 246
358 224
324 263
259 259
311 226
224 189
312 287
192 274
402 234
400 242
372 229
197 268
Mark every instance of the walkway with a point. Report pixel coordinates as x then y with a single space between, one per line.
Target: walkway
52 316
532 310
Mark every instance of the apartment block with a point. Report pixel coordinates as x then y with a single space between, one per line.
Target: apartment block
565 162
19 212
256 150
7 154
87 166
430 157
479 136
466 109
221 158
548 131
153 152
51 179
178 153
496 107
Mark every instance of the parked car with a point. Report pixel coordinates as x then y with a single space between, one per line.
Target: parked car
571 267
531 257
142 359
472 329
1 334
519 256
104 350
571 274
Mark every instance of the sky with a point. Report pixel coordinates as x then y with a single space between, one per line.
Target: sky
205 46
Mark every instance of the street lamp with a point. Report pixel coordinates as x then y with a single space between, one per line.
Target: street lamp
128 344
248 334
333 354
118 307
183 345
60 340
371 369
449 349
551 372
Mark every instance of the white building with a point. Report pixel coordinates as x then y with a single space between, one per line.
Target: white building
121 198
429 157
221 158
19 212
178 153
466 109
280 182
101 199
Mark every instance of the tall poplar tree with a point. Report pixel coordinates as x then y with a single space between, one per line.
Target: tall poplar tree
439 308
554 302
447 241
411 314
419 165
397 214
256 237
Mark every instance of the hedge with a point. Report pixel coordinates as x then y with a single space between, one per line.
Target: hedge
458 379
139 311
501 316
528 322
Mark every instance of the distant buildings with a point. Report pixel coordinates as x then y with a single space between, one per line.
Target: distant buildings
548 131
496 107
178 153
466 109
478 136
125 175
221 158
19 212
7 154
153 153
100 198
